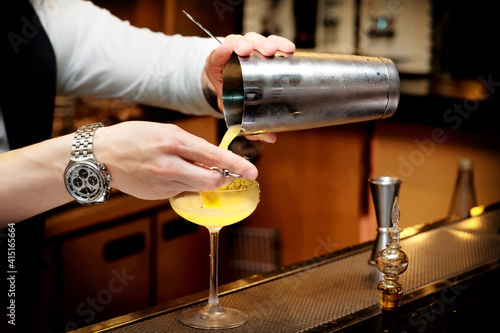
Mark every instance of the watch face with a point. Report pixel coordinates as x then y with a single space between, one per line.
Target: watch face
84 181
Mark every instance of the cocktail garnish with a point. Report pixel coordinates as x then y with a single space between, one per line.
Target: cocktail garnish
211 199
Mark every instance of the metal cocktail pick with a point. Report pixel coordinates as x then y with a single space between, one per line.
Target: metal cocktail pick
202 28
392 262
223 172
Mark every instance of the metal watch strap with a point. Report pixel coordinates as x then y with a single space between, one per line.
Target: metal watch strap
82 147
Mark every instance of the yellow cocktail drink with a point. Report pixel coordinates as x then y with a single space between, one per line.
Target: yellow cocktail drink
218 208
228 204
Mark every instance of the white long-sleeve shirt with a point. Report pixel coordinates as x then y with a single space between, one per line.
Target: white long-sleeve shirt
99 55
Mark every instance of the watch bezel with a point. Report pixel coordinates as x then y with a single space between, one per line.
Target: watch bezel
102 186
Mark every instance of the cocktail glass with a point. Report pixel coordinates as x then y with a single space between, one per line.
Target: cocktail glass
214 210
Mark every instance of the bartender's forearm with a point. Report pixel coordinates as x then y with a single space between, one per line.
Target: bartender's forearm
145 159
31 179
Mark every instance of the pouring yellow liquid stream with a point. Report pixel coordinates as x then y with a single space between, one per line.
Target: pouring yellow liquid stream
228 204
231 133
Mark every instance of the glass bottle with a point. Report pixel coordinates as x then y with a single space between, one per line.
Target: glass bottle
464 193
392 262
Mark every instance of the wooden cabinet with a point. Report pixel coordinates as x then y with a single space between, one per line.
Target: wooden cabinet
106 273
182 257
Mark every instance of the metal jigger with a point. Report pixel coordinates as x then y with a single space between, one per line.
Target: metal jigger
384 191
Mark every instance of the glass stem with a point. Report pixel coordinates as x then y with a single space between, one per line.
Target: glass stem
213 296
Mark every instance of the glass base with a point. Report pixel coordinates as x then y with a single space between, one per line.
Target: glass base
212 316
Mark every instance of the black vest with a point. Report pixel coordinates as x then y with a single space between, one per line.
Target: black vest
28 75
27 93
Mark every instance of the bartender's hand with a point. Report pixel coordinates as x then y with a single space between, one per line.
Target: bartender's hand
145 159
155 161
242 46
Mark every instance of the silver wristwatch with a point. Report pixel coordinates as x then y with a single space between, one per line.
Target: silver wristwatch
86 180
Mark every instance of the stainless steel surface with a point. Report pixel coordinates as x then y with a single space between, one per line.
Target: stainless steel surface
307 90
384 190
320 291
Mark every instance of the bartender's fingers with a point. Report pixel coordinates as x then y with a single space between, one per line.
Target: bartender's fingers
214 67
195 149
283 44
171 175
150 160
217 60
244 45
265 137
191 177
268 46
239 44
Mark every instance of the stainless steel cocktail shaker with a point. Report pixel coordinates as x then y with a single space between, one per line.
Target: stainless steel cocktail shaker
307 90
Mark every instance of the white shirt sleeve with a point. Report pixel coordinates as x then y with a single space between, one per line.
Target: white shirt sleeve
101 56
